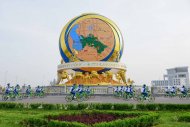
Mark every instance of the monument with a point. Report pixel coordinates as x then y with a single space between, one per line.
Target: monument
91 47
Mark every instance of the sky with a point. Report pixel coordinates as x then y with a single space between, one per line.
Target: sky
156 36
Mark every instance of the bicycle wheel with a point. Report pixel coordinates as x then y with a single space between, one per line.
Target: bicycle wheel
151 99
140 99
4 97
80 99
20 97
32 95
85 97
13 98
180 96
135 97
187 96
126 97
69 98
116 95
92 96
41 95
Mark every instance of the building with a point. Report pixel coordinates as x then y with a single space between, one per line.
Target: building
178 77
160 83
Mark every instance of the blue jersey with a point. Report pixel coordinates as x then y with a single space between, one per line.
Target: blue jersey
143 90
72 89
130 89
116 89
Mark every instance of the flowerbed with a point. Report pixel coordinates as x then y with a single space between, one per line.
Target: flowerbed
94 119
89 119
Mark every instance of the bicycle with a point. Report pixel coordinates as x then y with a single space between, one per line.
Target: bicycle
129 96
149 97
184 95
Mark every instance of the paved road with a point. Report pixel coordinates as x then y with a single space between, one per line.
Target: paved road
101 99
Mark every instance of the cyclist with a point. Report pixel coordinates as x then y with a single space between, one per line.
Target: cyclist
167 90
173 90
38 90
127 90
131 89
88 90
78 88
8 89
42 90
144 91
116 90
16 89
28 90
121 89
184 90
81 89
73 91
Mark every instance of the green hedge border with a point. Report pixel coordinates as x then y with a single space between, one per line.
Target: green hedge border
184 118
96 106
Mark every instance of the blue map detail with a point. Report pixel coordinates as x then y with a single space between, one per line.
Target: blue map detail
77 45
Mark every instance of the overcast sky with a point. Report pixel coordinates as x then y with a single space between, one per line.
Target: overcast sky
156 36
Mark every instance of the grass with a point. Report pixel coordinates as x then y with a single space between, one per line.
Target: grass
169 119
12 118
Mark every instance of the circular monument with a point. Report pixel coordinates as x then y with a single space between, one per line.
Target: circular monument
91 46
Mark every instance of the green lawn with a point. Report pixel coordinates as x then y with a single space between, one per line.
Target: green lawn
169 119
12 118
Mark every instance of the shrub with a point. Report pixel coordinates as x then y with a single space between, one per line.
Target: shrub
37 122
34 122
48 106
59 106
184 118
142 121
8 105
65 124
35 106
151 107
98 106
123 106
106 106
71 106
172 107
82 106
19 105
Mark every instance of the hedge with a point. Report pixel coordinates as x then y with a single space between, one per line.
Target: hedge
123 106
141 119
147 107
96 106
39 122
184 118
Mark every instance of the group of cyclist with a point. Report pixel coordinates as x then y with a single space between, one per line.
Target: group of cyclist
79 89
129 90
128 93
15 91
172 91
121 89
75 89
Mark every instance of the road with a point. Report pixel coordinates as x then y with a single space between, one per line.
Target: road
100 99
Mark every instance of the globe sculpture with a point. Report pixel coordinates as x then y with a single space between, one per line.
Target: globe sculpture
91 47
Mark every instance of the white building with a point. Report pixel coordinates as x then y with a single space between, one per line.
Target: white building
178 77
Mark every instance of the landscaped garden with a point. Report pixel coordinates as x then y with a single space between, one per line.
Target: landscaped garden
96 115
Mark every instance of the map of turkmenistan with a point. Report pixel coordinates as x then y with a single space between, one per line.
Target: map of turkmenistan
91 39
